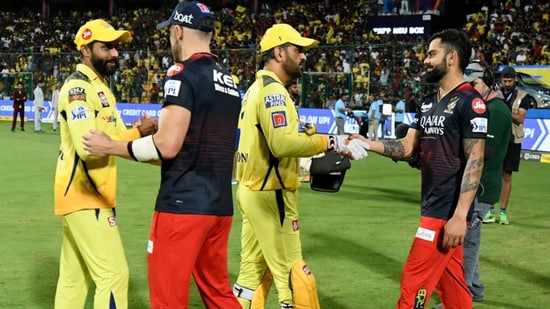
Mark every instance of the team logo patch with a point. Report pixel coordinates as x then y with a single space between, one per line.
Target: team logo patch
103 99
203 8
112 221
420 299
86 34
274 100
295 225
79 113
279 119
451 106
306 270
479 106
77 94
175 69
479 125
172 87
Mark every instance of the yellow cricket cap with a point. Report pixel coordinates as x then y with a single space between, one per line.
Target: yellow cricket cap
280 34
99 30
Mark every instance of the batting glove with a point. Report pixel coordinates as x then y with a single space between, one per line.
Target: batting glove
354 148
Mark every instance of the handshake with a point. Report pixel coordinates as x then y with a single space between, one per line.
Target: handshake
355 149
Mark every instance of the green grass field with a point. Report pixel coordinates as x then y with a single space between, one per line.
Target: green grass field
355 241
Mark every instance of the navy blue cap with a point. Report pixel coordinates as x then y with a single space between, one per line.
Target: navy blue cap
191 14
508 72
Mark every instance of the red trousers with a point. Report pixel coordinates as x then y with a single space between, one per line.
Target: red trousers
21 112
184 245
428 267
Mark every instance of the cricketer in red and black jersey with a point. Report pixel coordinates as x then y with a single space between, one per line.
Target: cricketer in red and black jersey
443 126
198 179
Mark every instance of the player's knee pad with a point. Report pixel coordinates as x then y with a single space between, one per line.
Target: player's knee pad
260 295
304 287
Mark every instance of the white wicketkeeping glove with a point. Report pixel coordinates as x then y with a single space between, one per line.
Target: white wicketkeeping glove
355 148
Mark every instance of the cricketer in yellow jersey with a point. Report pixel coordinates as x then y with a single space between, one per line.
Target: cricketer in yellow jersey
85 186
268 151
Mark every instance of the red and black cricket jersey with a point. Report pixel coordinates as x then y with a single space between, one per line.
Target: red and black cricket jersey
444 125
198 179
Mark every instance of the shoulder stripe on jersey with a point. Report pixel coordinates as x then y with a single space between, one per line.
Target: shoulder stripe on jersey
77 75
266 80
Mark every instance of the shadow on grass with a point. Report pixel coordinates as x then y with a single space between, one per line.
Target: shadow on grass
498 304
44 282
520 273
342 248
382 193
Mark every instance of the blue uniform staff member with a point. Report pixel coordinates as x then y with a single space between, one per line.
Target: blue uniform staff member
196 143
268 151
340 112
85 186
449 131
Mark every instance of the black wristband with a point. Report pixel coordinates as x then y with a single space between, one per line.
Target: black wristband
331 143
131 151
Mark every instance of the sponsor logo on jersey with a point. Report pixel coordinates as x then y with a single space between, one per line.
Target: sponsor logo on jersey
279 119
479 125
172 88
112 221
77 94
79 113
478 106
103 99
109 118
175 69
425 107
295 225
420 299
223 82
425 234
274 100
433 124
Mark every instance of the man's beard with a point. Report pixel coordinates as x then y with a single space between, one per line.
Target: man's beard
103 67
292 70
437 73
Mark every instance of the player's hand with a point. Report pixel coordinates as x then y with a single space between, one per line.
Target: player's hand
146 125
355 149
97 143
308 127
453 233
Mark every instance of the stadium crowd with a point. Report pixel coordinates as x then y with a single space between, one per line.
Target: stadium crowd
33 47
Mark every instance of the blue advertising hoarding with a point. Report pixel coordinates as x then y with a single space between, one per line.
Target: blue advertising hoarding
537 130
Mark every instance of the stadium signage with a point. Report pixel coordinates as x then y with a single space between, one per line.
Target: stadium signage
537 130
530 156
399 30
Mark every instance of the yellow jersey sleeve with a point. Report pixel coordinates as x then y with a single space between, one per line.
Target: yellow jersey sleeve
269 144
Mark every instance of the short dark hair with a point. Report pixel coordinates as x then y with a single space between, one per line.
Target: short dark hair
458 40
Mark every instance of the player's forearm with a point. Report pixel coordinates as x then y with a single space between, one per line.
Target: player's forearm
474 151
118 148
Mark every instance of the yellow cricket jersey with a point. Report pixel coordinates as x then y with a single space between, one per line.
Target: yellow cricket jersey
268 143
82 181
